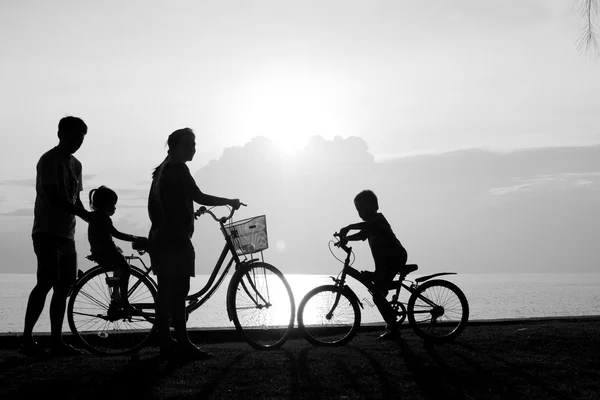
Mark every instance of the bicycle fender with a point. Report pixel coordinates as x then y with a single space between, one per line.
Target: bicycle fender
428 277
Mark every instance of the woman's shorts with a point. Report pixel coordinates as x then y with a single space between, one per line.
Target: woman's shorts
174 260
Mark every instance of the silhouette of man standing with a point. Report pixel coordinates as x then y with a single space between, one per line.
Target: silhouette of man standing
57 202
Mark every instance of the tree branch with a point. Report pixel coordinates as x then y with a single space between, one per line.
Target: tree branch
588 40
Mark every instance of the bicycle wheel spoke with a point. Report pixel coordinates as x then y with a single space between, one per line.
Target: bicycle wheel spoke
325 322
438 310
100 324
262 305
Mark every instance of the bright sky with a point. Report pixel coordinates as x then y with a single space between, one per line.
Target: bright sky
406 76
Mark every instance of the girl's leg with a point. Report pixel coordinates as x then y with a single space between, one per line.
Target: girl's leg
125 271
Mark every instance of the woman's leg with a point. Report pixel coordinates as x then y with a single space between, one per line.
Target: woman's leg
164 299
181 287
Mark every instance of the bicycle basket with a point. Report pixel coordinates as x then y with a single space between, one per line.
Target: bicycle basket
248 235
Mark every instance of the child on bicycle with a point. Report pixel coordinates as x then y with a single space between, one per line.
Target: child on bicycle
101 231
388 253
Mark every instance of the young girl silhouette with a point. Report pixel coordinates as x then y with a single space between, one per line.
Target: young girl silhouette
101 231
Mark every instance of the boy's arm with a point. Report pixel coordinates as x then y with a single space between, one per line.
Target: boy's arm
361 226
362 235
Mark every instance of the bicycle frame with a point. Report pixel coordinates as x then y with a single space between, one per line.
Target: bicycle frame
396 285
196 300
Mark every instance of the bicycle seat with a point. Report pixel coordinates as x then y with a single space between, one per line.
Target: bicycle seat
404 270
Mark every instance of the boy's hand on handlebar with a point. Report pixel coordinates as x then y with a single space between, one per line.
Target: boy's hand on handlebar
343 232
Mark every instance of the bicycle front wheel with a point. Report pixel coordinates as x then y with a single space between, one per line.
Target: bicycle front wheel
261 305
96 319
325 325
438 310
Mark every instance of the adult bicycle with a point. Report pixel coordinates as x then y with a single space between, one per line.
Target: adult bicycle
330 315
259 299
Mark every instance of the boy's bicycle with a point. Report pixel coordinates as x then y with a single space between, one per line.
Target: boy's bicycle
330 315
259 299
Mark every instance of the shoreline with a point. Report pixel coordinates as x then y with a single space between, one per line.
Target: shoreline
533 358
11 340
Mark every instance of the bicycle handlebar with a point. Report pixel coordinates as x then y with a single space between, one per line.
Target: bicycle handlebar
221 220
341 243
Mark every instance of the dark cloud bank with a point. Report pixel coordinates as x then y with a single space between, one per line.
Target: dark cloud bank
470 210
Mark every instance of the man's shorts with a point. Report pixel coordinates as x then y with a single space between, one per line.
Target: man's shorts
57 259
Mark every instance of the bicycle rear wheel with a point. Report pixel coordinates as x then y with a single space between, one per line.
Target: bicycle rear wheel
98 323
438 310
324 326
261 305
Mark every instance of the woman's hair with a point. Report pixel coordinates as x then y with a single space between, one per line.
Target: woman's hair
368 197
102 197
174 139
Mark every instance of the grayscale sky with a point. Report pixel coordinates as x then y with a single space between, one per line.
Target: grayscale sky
399 83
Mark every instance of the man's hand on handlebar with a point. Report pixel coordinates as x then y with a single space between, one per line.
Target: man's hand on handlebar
235 203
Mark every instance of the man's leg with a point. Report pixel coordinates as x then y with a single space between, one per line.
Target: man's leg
35 306
67 273
45 248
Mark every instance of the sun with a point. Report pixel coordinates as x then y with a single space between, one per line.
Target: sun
288 109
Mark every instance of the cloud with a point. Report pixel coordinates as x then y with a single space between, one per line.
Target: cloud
23 212
31 181
567 181
440 205
18 182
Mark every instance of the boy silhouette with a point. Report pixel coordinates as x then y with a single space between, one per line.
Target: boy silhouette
386 249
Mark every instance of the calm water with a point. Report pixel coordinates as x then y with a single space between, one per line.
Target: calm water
491 296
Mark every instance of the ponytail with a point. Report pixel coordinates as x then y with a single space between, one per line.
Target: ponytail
91 196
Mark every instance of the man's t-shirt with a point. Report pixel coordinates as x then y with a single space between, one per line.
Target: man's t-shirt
62 171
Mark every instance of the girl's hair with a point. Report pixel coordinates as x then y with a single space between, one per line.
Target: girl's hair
369 197
102 197
172 142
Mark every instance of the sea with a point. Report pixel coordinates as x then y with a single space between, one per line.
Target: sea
490 297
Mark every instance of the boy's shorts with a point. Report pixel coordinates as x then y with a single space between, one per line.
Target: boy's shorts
56 257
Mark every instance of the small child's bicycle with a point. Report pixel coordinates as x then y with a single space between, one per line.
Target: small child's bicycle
330 315
259 299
